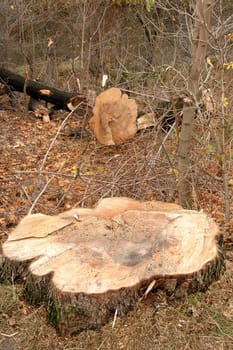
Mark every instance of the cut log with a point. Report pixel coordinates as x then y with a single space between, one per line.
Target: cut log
114 117
146 121
40 91
88 263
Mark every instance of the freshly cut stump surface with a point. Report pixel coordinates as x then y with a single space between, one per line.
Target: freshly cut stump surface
88 263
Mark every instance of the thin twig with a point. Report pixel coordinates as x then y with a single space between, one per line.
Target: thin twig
102 343
57 133
217 178
163 142
39 195
44 172
26 194
64 194
114 319
46 156
9 335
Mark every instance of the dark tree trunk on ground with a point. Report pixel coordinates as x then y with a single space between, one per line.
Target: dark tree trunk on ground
40 91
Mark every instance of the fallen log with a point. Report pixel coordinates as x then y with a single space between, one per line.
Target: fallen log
89 264
40 91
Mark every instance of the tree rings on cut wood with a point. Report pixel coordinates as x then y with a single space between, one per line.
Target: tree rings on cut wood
88 263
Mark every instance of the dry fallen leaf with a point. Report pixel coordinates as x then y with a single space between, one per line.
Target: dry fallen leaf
12 322
2 221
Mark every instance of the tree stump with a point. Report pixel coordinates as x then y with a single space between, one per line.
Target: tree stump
88 263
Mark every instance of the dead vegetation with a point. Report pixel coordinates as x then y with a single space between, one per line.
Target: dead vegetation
77 171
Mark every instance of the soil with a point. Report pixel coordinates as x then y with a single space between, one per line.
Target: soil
48 169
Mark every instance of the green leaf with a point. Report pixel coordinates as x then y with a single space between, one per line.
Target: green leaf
209 149
149 5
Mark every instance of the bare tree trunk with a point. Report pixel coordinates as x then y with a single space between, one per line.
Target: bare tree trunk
199 48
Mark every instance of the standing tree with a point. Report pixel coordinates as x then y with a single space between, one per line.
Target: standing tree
199 47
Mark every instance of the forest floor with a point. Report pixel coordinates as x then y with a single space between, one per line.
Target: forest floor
51 169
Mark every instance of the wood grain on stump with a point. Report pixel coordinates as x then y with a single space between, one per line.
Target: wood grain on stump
88 263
